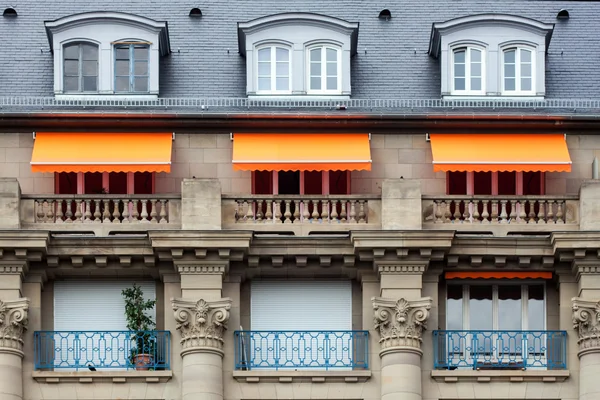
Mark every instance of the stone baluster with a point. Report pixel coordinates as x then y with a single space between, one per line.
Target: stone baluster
116 214
531 215
476 212
40 214
269 211
438 212
494 214
296 215
334 213
87 213
485 215
315 210
343 210
144 214
97 214
125 215
153 213
456 215
325 211
287 214
550 213
521 212
466 216
352 212
59 212
78 213
259 214
249 204
106 211
163 212
542 212
559 212
239 213
278 205
447 214
135 211
69 212
513 211
362 217
50 211
503 213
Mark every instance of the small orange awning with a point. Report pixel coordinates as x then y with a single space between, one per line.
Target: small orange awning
499 275
500 152
101 152
301 152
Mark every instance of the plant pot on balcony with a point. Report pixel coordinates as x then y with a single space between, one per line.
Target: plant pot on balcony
142 362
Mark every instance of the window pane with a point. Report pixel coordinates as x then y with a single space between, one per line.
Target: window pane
264 69
141 68
283 69
475 55
509 70
283 83
509 307
71 67
140 53
315 69
332 83
525 56
480 307
90 52
90 83
332 69
71 52
459 83
526 84
264 83
332 54
264 54
476 69
282 54
535 306
315 54
90 68
526 70
122 84
475 83
122 53
459 56
122 67
71 84
315 83
141 84
454 307
509 84
459 70
509 56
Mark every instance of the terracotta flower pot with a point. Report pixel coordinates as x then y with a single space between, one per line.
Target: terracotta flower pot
142 361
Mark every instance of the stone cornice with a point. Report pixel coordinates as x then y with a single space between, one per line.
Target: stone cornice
586 321
13 324
400 323
13 269
402 239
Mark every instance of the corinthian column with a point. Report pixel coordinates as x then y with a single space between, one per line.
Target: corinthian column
400 324
586 321
13 323
202 324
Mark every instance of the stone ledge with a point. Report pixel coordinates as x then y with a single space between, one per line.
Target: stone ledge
102 376
500 376
302 376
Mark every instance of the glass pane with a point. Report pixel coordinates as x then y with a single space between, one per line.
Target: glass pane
526 70
141 68
526 84
315 69
509 84
535 307
315 54
264 83
90 83
459 70
331 69
283 83
525 56
71 84
283 69
476 69
480 307
140 53
71 67
122 53
264 69
475 83
332 54
332 83
459 83
122 84
282 54
71 52
90 68
509 56
509 70
89 52
122 67
315 83
141 84
264 54
454 307
459 56
509 307
475 55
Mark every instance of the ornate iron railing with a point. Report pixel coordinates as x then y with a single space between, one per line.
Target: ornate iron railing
102 349
301 349
509 350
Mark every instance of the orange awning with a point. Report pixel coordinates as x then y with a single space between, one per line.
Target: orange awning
499 275
500 152
101 152
301 152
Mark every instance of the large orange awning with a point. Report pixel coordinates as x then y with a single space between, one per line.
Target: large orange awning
499 275
101 152
301 152
500 152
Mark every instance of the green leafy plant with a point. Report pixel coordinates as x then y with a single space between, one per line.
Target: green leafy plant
138 321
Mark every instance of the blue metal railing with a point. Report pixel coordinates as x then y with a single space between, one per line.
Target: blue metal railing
102 349
301 349
500 349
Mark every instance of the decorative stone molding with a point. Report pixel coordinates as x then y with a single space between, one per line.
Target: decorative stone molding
201 269
12 269
201 324
400 323
13 324
586 321
401 268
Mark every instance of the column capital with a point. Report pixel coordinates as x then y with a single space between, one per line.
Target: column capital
13 324
201 324
400 323
586 321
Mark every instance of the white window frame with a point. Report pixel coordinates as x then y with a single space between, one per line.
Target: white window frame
273 62
518 90
324 48
468 48
80 77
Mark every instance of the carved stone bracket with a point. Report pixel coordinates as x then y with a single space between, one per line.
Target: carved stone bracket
586 321
13 324
400 323
201 324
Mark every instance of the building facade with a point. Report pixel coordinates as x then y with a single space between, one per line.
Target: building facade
346 200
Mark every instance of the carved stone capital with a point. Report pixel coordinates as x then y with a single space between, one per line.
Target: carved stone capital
400 323
13 324
586 321
201 324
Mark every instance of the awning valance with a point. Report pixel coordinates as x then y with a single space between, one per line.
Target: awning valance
500 152
499 275
301 152
101 152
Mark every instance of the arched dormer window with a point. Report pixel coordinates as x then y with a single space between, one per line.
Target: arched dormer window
518 70
468 66
324 70
273 66
80 67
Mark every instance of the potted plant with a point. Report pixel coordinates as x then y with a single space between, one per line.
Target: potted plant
143 346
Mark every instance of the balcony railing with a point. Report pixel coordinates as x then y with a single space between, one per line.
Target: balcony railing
76 350
301 349
508 350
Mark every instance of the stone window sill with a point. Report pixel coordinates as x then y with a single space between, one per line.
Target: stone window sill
301 376
102 376
498 376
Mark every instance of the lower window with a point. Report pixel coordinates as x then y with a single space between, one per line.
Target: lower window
104 183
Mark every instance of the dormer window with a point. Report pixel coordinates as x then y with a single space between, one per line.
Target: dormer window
518 70
273 70
324 70
131 68
468 70
80 68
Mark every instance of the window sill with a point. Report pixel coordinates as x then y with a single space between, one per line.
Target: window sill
302 376
483 97
304 97
500 376
102 376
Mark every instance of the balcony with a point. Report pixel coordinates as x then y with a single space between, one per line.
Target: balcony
500 350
